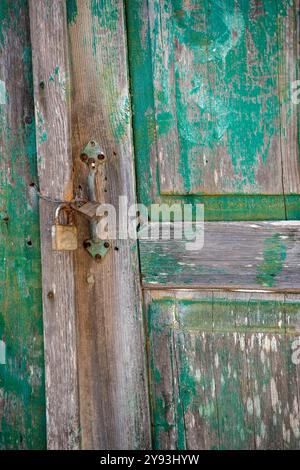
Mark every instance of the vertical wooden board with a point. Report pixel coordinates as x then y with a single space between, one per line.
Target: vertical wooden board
288 41
196 377
167 425
142 96
52 112
291 426
220 370
244 386
232 381
112 373
22 391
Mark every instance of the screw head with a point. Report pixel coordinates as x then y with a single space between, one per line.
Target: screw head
86 244
98 258
50 295
106 245
84 157
101 156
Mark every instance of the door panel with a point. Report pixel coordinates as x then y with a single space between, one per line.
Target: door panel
221 370
215 74
213 116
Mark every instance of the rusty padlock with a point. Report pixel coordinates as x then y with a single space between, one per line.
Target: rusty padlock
64 236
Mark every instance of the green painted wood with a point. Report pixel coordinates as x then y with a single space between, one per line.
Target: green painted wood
261 255
22 394
221 371
213 119
214 123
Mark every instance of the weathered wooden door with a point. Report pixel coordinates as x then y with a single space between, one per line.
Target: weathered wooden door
215 123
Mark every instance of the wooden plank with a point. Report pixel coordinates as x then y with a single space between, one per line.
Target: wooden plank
258 255
22 391
230 355
288 36
167 429
52 113
112 373
141 80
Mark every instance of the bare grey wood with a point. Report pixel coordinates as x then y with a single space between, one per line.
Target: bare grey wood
288 32
52 114
264 255
112 372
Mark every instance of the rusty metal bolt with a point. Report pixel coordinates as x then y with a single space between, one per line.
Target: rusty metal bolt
106 245
50 295
101 156
98 258
86 244
83 157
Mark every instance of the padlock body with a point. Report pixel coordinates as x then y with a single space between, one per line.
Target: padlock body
64 237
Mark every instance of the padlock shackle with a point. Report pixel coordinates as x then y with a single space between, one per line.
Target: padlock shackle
66 208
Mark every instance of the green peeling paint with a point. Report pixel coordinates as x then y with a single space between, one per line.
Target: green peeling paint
72 11
54 74
22 389
119 117
237 108
272 265
226 100
41 129
2 92
9 12
105 14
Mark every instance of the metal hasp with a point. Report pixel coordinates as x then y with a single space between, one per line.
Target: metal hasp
93 156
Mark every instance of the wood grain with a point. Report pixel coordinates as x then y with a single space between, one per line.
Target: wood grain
288 37
52 114
22 391
112 373
258 255
221 374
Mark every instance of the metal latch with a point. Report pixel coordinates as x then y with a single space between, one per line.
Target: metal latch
93 157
